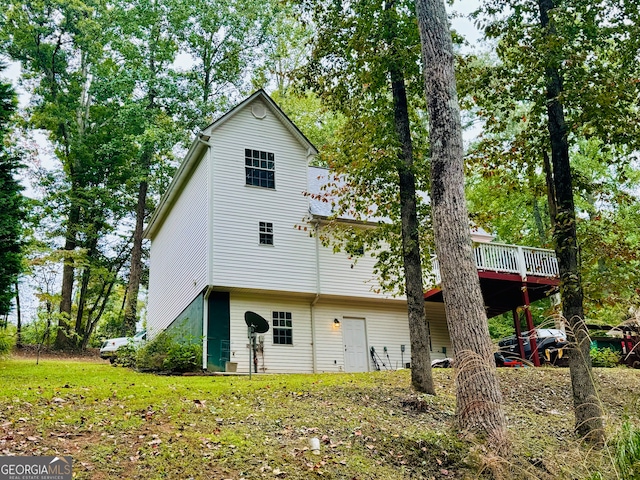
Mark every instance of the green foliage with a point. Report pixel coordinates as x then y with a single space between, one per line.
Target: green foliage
105 87
11 202
168 353
355 48
627 451
319 124
604 357
126 356
7 341
183 357
507 188
151 355
35 332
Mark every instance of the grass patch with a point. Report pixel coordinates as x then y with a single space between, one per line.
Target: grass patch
117 423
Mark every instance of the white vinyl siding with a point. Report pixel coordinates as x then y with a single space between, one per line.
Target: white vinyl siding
238 258
211 236
439 333
341 274
178 260
386 325
295 358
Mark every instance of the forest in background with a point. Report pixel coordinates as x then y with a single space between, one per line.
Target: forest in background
120 88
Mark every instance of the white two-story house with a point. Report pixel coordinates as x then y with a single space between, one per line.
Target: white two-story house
229 237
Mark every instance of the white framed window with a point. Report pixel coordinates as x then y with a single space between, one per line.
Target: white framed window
266 233
282 328
259 168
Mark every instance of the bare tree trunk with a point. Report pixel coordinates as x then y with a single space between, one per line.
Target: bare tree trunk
479 400
130 312
18 318
63 336
588 410
421 377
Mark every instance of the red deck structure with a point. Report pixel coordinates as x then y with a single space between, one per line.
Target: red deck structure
510 277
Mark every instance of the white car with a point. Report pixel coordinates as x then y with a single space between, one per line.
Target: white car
110 347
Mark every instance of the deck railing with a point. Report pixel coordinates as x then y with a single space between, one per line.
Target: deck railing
502 258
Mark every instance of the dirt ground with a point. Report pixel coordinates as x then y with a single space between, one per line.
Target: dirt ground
31 351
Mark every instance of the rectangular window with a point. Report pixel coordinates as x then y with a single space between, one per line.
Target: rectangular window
266 233
259 168
282 328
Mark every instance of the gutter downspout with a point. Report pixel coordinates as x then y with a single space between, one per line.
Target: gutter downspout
204 139
314 355
205 326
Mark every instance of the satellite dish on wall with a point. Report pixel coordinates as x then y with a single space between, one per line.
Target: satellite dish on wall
256 322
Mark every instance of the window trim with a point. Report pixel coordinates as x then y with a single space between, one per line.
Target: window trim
260 167
265 232
276 318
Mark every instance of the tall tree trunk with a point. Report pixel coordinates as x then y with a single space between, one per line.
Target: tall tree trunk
421 377
18 318
63 336
551 189
588 411
479 400
130 312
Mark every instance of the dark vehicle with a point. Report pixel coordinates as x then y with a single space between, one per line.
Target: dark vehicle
551 344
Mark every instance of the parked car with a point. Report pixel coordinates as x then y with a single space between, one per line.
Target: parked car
109 348
551 344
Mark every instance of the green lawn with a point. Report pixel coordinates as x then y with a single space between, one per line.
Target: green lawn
116 423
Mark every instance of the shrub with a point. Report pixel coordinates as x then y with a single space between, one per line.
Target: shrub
126 356
183 357
151 355
165 353
7 340
604 357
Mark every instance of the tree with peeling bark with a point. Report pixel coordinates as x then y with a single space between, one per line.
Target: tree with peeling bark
478 397
364 54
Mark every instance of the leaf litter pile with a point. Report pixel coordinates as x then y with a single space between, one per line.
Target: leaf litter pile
116 423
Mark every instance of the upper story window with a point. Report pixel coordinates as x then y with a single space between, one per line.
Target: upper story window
266 233
259 168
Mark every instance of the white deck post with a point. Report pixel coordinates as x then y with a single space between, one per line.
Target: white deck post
522 266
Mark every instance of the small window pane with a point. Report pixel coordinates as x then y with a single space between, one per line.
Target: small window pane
282 331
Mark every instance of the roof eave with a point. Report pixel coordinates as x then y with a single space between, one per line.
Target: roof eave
181 176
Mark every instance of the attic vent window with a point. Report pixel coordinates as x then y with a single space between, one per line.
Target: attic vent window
260 168
259 111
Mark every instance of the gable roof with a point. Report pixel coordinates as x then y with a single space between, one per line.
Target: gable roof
199 146
275 110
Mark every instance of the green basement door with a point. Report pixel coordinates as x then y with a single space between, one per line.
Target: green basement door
218 331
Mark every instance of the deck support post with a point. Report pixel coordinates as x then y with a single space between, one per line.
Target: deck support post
532 332
516 324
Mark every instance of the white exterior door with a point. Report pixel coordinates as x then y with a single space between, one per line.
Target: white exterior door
355 345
